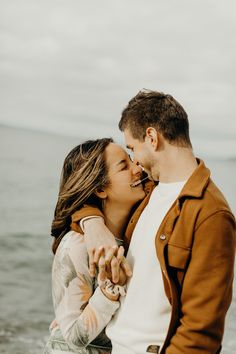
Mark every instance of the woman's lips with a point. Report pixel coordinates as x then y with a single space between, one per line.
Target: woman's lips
135 184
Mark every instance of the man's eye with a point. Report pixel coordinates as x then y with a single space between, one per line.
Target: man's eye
124 168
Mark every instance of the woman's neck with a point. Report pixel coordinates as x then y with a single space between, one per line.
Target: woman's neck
116 218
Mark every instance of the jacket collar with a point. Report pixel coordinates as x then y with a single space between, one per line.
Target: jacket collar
197 182
195 185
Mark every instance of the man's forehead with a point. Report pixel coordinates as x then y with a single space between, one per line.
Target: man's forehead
130 141
128 137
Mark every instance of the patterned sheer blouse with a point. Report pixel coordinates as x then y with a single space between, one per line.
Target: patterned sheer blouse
82 311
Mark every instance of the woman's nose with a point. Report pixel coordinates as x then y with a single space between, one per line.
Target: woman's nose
136 169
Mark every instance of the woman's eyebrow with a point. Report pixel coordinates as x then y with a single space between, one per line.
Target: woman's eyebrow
120 162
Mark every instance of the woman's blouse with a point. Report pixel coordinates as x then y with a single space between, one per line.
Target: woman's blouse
82 310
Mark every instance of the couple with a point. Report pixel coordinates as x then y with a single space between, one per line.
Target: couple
177 231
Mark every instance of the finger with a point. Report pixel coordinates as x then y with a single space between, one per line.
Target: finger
97 254
102 269
53 324
92 265
120 254
110 253
113 249
115 270
126 267
122 277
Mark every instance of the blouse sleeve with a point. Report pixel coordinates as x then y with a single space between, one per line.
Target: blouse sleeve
81 312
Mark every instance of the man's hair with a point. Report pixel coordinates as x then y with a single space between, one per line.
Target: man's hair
160 111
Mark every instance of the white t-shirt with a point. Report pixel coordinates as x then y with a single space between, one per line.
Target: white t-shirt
144 315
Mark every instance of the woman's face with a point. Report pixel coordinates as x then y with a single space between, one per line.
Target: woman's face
121 173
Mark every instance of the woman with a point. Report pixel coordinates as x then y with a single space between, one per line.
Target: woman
100 173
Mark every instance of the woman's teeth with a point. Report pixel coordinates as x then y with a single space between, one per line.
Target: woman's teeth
135 184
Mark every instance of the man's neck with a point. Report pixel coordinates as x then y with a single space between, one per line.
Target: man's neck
176 164
116 218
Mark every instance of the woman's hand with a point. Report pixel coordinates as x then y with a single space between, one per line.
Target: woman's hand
53 324
110 290
100 242
112 266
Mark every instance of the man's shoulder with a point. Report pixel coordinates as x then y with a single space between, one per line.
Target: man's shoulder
211 202
203 194
211 205
214 200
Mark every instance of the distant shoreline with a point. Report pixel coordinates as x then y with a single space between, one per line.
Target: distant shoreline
74 136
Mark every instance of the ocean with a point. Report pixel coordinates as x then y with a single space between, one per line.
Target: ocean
30 169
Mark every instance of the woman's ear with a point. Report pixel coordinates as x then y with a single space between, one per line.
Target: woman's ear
101 193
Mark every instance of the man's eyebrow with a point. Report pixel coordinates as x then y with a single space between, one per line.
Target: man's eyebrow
129 147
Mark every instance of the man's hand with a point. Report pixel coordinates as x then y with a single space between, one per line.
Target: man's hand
104 252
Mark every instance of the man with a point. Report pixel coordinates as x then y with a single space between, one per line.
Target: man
183 240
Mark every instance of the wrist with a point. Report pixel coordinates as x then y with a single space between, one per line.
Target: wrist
110 296
112 291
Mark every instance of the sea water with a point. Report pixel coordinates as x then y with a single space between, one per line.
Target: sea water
30 169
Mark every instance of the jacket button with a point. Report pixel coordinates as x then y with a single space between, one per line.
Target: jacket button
162 237
153 349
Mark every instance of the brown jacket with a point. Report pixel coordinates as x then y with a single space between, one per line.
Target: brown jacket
195 246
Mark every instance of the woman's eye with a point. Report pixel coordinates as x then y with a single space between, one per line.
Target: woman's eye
131 158
124 168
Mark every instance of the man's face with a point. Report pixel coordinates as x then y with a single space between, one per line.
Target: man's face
140 151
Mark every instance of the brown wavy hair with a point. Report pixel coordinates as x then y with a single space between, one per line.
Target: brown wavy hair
159 110
84 171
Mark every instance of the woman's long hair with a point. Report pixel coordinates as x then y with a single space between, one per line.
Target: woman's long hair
84 171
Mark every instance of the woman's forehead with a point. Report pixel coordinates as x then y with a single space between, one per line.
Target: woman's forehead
115 154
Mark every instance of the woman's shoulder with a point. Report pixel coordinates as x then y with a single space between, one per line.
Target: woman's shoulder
72 240
72 250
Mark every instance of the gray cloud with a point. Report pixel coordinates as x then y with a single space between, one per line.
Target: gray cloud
68 65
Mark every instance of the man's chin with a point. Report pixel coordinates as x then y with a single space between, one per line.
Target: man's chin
153 176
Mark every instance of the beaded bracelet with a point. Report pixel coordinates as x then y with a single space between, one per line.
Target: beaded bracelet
111 288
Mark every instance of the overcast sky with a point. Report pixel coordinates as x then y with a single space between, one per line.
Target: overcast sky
70 66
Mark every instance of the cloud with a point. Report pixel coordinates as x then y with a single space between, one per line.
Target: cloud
76 62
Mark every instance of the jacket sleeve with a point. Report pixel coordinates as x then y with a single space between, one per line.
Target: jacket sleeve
207 288
81 312
84 212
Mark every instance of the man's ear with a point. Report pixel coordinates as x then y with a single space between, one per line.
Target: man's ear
152 137
101 193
